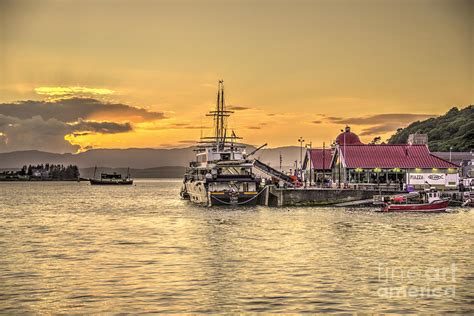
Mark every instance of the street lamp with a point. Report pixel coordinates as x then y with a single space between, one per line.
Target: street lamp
301 140
344 153
310 147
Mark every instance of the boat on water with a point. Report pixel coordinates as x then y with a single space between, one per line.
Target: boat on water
111 179
428 201
222 173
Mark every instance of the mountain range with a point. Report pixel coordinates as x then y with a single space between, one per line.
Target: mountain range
454 130
158 162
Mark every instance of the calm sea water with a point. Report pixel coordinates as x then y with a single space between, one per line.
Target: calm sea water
73 248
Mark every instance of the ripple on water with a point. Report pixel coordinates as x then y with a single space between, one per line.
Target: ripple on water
73 248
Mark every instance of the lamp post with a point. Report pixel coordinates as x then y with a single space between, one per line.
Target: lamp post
310 161
324 163
450 149
281 160
301 140
344 151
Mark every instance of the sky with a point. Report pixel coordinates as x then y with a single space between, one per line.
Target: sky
77 75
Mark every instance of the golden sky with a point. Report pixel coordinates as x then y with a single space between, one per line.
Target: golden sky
291 68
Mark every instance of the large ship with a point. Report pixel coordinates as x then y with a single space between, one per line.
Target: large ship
221 174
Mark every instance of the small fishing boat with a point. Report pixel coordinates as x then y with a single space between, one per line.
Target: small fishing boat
428 201
111 179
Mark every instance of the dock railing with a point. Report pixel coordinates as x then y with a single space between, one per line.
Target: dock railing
383 187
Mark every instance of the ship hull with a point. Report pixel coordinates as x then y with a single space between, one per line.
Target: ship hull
101 182
197 193
226 199
437 206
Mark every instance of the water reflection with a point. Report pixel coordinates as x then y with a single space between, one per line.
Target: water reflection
69 247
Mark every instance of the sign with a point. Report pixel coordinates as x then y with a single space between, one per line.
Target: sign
452 180
433 179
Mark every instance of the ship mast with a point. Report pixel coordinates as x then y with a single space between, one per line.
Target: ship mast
220 118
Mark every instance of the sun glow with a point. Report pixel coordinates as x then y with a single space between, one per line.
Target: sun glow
72 91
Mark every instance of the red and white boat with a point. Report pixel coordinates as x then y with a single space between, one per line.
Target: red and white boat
429 201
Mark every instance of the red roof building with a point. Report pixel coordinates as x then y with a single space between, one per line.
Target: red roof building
320 159
392 156
391 165
354 164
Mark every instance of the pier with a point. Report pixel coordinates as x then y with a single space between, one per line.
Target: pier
279 197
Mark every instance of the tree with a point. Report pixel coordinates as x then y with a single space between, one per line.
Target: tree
451 130
376 140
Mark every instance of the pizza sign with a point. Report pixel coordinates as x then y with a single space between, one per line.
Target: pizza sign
431 178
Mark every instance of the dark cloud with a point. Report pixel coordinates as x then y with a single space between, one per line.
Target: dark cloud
238 108
185 126
101 127
380 123
35 133
254 127
317 122
47 125
49 135
380 129
71 110
380 118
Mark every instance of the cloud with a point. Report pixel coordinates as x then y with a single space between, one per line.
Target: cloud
72 91
253 127
101 127
71 110
317 122
334 119
380 123
55 125
380 129
50 135
380 118
238 108
34 133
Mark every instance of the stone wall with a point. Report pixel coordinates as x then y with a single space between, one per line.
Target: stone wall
315 197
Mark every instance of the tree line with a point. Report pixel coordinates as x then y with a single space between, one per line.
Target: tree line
451 131
51 171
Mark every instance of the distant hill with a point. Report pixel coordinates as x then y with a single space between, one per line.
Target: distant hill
138 158
158 172
454 129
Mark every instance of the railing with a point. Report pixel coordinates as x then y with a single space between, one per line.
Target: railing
272 172
375 186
